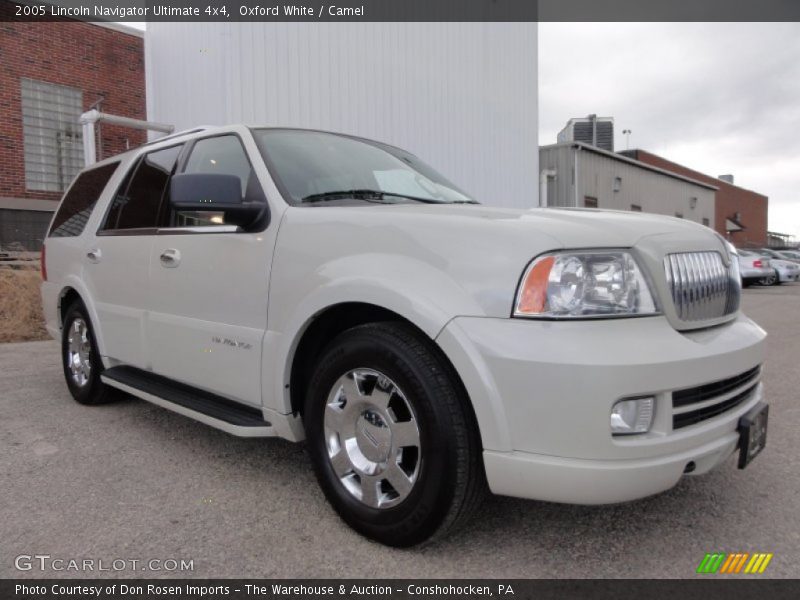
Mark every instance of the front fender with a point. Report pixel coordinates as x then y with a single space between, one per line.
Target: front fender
416 291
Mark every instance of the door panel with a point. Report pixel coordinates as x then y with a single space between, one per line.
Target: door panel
208 313
116 260
117 280
208 305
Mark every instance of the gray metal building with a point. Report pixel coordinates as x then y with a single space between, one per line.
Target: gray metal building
574 174
462 96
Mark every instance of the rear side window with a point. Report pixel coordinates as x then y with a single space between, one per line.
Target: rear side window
80 200
136 205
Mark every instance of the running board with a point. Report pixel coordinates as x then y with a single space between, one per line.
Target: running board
221 413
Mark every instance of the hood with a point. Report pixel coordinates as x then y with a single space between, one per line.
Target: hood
480 251
568 227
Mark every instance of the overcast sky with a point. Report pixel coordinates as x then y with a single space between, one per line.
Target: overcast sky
717 97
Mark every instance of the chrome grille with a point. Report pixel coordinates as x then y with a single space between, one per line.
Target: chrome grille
702 286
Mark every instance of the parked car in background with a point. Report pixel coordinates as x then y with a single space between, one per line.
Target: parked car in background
790 255
785 270
754 268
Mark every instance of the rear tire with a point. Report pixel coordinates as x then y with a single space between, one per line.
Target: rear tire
81 358
770 280
392 437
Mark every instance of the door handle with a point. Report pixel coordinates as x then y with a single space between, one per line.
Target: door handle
94 255
170 258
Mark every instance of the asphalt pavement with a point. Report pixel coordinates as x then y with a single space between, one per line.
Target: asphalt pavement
133 482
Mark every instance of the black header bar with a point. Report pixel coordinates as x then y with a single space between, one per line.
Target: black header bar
402 10
707 588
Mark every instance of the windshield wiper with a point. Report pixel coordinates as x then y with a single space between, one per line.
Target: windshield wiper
364 195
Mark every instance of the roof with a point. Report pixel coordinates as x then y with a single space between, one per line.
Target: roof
630 161
732 224
635 151
120 27
574 120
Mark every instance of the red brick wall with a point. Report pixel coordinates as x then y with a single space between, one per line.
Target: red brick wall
730 199
97 60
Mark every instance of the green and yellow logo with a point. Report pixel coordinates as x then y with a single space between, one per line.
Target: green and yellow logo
737 562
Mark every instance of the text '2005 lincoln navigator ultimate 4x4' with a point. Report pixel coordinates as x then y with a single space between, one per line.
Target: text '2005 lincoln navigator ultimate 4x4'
317 286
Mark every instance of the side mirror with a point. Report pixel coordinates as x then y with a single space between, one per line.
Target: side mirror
213 192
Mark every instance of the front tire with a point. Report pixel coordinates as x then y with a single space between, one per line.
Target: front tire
81 358
392 437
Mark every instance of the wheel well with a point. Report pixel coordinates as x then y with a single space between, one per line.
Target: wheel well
68 296
326 326
333 321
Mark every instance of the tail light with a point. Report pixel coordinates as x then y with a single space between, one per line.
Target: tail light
43 262
758 264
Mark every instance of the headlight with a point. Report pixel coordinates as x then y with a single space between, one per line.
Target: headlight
584 284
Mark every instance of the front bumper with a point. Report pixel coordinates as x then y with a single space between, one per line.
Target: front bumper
543 392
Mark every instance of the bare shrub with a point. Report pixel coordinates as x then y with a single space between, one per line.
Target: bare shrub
21 317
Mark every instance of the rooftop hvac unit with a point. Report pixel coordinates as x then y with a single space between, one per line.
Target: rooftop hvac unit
593 130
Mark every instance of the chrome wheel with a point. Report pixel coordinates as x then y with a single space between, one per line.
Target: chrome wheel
372 438
78 352
769 280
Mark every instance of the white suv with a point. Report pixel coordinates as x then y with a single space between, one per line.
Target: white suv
310 285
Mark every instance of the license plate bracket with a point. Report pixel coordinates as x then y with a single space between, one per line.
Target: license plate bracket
753 433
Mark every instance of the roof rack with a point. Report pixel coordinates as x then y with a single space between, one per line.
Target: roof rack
177 134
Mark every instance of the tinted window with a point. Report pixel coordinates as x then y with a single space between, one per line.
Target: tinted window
312 165
223 155
79 202
138 205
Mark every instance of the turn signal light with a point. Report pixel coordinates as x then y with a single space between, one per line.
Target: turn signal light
533 296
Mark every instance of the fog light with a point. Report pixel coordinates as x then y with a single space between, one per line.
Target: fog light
632 416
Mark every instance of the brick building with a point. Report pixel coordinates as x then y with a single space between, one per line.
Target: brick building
740 214
50 73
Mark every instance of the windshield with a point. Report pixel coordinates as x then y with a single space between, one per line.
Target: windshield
312 166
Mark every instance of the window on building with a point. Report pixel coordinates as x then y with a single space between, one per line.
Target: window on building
138 206
679 215
75 210
52 135
23 230
223 155
636 208
617 184
706 222
589 202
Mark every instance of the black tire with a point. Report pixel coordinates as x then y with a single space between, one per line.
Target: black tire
769 280
93 391
450 483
